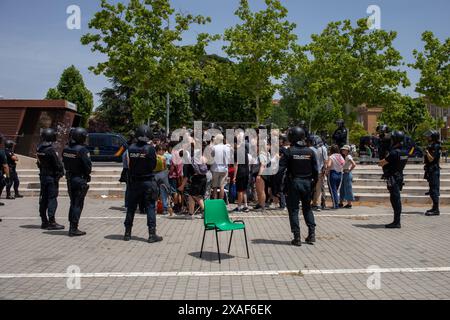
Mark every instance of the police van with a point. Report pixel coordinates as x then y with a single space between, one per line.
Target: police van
106 146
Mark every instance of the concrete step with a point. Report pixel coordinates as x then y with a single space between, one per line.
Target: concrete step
95 171
63 184
410 182
94 178
411 190
93 192
406 198
409 176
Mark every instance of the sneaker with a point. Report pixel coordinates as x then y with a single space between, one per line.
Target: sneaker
9 198
245 209
349 206
315 208
431 213
237 209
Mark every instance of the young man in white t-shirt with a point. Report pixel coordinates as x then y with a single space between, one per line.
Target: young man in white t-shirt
219 169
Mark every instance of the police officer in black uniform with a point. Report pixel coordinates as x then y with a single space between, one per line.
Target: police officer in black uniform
384 141
4 170
142 183
302 125
14 178
77 162
301 175
340 135
50 171
393 166
433 170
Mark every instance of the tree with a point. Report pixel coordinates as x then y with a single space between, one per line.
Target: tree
143 52
434 66
261 45
352 65
115 108
409 115
71 88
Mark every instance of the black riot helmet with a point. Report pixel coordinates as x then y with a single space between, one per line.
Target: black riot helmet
48 135
9 144
397 137
433 134
340 123
312 140
302 124
144 133
78 135
296 134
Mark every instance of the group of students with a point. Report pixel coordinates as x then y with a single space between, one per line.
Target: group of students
227 170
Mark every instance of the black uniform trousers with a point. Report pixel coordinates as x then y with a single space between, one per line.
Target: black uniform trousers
433 177
395 186
77 188
2 182
13 181
48 198
300 189
145 192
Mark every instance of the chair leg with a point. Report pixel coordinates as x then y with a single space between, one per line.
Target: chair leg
218 249
231 238
246 243
203 242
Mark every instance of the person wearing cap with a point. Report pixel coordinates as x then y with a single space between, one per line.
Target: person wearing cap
346 190
433 170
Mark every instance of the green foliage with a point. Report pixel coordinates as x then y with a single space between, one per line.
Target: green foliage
409 115
434 66
351 66
53 94
356 132
115 108
143 52
71 88
261 46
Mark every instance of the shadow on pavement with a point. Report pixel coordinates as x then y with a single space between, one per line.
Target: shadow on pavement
118 209
57 233
31 226
370 226
268 241
119 237
210 256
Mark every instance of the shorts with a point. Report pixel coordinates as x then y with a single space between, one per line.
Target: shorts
173 182
197 186
219 179
242 183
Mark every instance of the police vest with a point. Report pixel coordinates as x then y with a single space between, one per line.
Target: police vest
300 162
435 150
398 159
73 160
46 162
142 160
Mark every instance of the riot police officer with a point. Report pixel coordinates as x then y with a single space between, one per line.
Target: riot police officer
142 183
50 171
384 141
393 166
340 135
432 169
77 162
4 170
14 178
302 125
301 175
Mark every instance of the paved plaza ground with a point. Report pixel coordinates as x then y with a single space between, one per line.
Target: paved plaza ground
414 262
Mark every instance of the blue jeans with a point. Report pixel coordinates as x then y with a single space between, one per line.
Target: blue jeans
334 180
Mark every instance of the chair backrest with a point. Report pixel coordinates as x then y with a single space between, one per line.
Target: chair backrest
216 212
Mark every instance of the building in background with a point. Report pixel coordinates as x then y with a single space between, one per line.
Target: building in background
22 120
443 114
368 117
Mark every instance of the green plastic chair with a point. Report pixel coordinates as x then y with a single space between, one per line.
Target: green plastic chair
217 219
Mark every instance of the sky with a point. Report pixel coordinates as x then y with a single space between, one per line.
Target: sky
36 46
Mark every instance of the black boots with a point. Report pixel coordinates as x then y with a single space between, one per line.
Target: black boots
44 224
311 236
153 237
127 236
52 225
18 195
74 232
433 211
394 225
297 241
